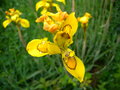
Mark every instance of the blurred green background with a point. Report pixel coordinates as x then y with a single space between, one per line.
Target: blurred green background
20 71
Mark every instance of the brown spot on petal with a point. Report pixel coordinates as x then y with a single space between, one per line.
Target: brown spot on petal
67 25
71 62
65 35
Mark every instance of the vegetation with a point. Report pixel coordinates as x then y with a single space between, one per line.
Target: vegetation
19 70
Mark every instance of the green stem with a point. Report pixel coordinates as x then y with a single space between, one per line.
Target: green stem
84 42
21 36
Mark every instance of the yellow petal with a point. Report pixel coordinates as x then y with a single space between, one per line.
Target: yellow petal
50 27
63 1
56 6
44 11
41 18
59 16
88 14
84 19
71 23
32 47
24 23
39 5
41 47
53 49
6 23
62 39
73 64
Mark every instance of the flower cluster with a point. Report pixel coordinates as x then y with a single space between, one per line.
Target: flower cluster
64 26
51 21
48 4
84 20
14 16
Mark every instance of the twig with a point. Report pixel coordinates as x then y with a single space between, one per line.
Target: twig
73 5
21 36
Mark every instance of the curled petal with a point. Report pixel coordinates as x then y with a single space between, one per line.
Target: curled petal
24 23
42 47
70 25
39 5
50 27
41 18
57 7
60 16
63 1
73 64
44 11
6 23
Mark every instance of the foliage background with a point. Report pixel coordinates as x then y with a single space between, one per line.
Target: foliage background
18 70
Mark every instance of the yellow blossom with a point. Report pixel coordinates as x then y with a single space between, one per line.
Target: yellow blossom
84 19
73 64
41 47
65 27
52 22
14 16
63 38
46 4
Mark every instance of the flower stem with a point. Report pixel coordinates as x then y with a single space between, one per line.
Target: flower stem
21 36
84 42
73 5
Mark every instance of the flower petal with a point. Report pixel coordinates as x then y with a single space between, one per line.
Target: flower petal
39 5
24 23
73 64
56 6
32 47
53 49
6 23
62 39
44 11
41 47
72 23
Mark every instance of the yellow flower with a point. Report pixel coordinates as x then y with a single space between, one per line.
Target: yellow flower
65 26
52 22
73 64
46 4
41 47
63 38
14 16
84 19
